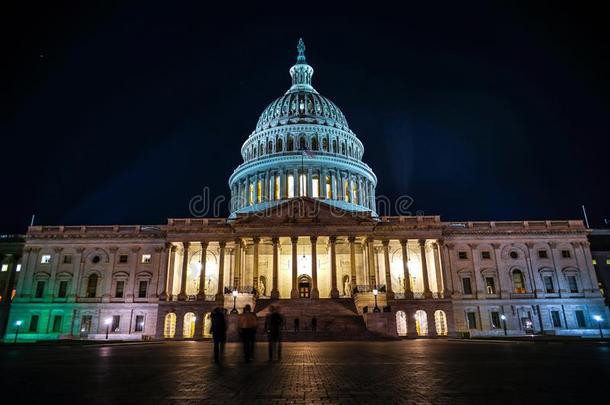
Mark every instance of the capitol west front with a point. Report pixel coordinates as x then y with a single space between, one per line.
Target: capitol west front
304 234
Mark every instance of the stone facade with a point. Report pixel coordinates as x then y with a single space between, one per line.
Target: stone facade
11 247
304 234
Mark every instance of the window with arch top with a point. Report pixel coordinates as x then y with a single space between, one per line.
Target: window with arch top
518 282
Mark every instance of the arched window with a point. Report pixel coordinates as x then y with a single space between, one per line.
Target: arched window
290 144
401 323
342 148
269 147
334 146
207 325
278 145
261 150
325 144
518 282
440 321
92 286
349 151
188 331
169 328
314 143
421 323
302 143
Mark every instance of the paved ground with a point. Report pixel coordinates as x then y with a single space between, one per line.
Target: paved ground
413 371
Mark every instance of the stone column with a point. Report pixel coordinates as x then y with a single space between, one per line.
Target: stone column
309 183
283 184
370 247
445 269
405 269
237 262
388 273
424 268
23 277
256 241
296 181
54 267
185 264
275 293
586 250
166 265
372 197
352 260
437 270
131 281
294 293
201 292
499 271
221 273
334 292
315 293
272 177
171 271
107 278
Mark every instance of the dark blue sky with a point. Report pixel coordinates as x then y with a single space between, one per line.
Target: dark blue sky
116 113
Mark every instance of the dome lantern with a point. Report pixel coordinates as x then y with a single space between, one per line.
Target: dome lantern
301 73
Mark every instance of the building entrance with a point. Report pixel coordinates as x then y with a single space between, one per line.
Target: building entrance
304 287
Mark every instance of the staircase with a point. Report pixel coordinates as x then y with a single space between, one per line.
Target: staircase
337 319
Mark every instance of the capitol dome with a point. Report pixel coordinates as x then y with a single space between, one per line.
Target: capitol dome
302 146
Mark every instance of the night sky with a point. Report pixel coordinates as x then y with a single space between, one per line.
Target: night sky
119 114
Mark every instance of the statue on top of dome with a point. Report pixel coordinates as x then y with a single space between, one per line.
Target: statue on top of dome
301 49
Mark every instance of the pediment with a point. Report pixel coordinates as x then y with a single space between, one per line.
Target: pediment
304 210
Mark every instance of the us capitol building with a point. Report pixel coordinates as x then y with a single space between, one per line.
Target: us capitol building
303 233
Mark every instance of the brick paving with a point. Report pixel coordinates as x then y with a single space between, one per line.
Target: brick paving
396 372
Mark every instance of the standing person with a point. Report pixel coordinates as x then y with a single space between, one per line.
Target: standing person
314 324
296 324
219 333
247 328
273 325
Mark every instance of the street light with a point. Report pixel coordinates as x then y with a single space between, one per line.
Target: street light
234 310
599 320
18 324
375 292
107 322
503 317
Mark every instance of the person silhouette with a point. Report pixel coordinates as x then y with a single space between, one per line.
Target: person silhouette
219 333
247 329
273 325
296 324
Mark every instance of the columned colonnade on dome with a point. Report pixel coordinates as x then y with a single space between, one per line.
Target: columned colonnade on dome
332 266
289 182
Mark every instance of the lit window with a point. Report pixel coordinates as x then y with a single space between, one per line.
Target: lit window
146 259
139 323
595 262
303 185
608 262
290 180
328 188
18 268
315 187
346 195
5 267
259 191
251 194
276 191
45 259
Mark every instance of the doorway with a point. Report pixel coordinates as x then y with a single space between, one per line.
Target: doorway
304 286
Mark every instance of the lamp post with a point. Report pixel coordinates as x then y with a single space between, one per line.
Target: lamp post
503 317
18 324
599 320
234 310
107 322
375 292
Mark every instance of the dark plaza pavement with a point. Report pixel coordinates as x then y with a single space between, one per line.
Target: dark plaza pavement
410 371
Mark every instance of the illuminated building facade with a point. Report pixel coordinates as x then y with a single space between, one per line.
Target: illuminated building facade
304 233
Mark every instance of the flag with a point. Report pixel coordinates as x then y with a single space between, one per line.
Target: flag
308 153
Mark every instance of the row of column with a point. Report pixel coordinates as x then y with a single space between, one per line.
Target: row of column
262 187
294 292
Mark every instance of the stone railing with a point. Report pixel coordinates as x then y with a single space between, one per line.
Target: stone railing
369 288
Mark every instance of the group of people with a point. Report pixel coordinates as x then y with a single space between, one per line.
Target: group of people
248 324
